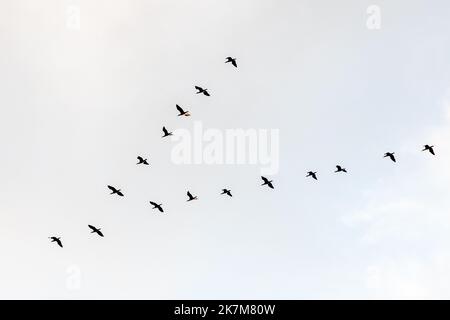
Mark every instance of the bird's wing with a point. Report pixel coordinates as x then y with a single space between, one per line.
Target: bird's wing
140 158
100 233
180 109
270 185
112 188
432 151
198 88
265 179
392 157
152 203
59 243
165 130
160 209
189 194
120 193
206 93
92 227
234 63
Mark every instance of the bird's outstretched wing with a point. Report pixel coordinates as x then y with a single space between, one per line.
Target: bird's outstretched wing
160 209
198 88
99 233
112 188
165 131
206 93
233 62
140 159
180 109
92 227
153 203
59 243
432 151
265 179
189 195
270 185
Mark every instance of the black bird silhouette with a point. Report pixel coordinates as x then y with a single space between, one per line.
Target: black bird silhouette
157 206
114 190
429 148
182 112
340 169
142 160
312 174
232 60
201 90
226 191
390 155
166 133
95 230
57 240
266 181
191 197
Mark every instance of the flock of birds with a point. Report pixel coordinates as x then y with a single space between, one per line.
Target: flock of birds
266 182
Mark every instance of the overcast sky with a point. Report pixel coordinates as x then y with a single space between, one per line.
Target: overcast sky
78 105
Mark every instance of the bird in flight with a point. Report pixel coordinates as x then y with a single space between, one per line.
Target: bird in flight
191 197
390 155
227 192
166 133
114 190
182 112
429 148
201 90
142 160
232 60
312 174
340 169
157 206
57 240
266 181
95 230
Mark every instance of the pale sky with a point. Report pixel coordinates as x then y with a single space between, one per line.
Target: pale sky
78 105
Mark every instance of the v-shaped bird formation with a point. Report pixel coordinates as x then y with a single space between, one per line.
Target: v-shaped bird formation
266 182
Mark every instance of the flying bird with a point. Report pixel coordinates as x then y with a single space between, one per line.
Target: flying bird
182 112
226 191
312 174
191 197
232 60
57 240
115 191
166 133
157 206
142 160
266 181
201 90
340 169
95 230
390 155
429 148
